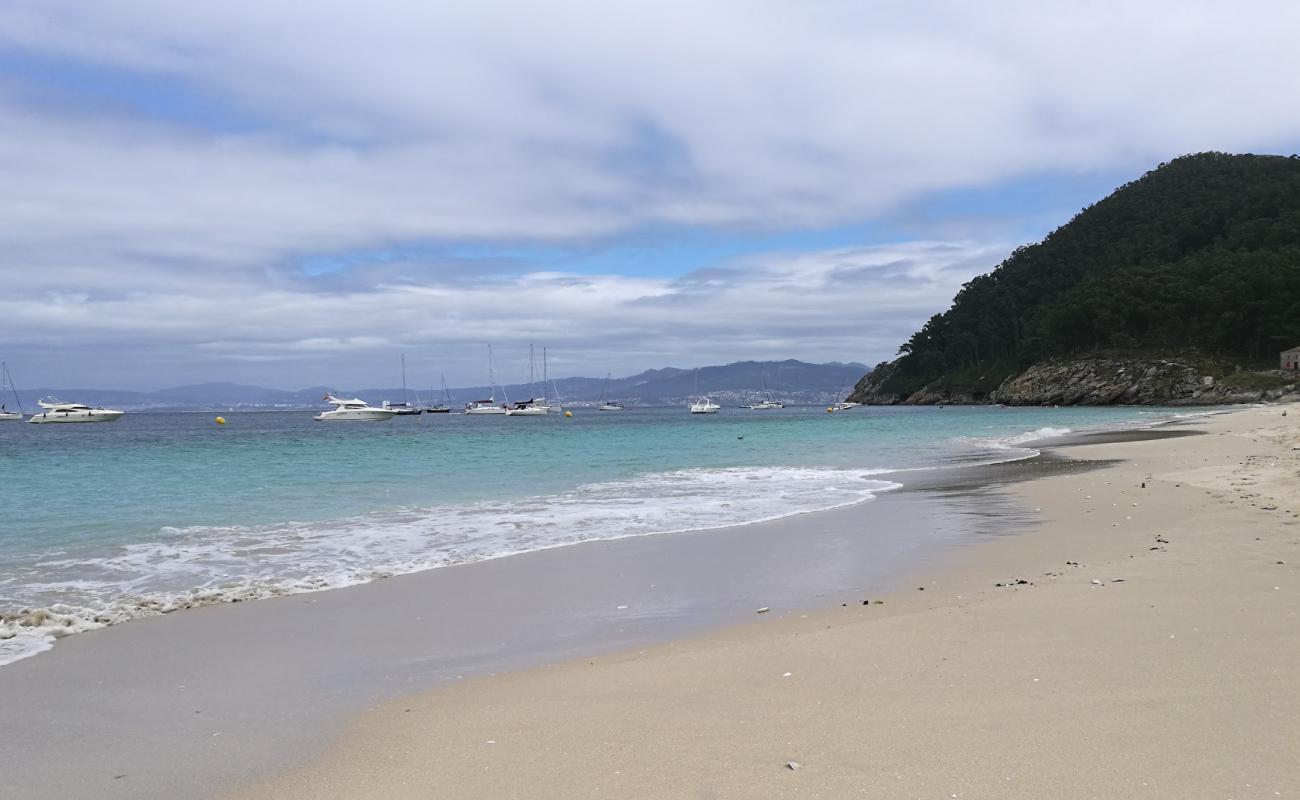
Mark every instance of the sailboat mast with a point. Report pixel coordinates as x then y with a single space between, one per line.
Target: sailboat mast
544 374
492 380
404 398
7 380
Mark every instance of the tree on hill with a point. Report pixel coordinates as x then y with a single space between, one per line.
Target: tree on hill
1202 253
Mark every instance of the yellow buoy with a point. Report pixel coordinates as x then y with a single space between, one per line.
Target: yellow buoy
830 410
568 413
221 420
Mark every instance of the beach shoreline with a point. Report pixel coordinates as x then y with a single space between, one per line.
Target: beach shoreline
1138 642
240 691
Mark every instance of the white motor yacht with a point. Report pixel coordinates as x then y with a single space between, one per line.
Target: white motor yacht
704 405
765 405
845 405
353 410
56 411
610 405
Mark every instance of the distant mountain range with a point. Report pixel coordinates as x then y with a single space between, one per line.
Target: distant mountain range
790 381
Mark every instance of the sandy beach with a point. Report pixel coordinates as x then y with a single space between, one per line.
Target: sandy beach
1140 640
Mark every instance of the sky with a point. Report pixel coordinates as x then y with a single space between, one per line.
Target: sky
293 194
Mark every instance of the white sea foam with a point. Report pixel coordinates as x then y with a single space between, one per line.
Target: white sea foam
49 597
1004 445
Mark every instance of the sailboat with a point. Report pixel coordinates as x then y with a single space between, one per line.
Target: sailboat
533 406
555 390
767 402
607 405
7 382
844 405
402 408
705 404
488 406
445 406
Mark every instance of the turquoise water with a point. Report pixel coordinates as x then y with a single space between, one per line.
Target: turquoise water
106 522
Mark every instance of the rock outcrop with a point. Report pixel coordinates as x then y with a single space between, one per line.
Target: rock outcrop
1100 381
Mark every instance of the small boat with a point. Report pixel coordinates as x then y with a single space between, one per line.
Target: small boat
57 411
443 407
607 405
7 383
535 407
844 405
402 408
488 406
705 404
764 405
354 410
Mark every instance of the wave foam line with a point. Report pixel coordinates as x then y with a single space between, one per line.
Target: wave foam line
52 597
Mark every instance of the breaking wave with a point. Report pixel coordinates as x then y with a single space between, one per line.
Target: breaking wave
48 596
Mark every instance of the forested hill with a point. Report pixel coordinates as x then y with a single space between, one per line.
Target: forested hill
1200 256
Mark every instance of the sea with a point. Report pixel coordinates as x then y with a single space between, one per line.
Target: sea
103 523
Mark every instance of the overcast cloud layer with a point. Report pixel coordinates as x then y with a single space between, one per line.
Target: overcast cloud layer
174 176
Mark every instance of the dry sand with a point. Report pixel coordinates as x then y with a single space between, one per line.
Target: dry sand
1153 653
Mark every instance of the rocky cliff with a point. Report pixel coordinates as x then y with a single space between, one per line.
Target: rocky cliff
1100 381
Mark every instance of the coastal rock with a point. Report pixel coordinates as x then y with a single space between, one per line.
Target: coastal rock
1096 382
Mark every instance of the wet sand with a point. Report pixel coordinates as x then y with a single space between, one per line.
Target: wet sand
198 702
1140 641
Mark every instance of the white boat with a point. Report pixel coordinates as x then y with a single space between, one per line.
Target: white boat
767 402
7 387
534 406
354 410
845 405
487 406
705 404
56 411
607 405
401 407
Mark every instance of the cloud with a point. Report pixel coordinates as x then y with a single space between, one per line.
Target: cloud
819 305
175 197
